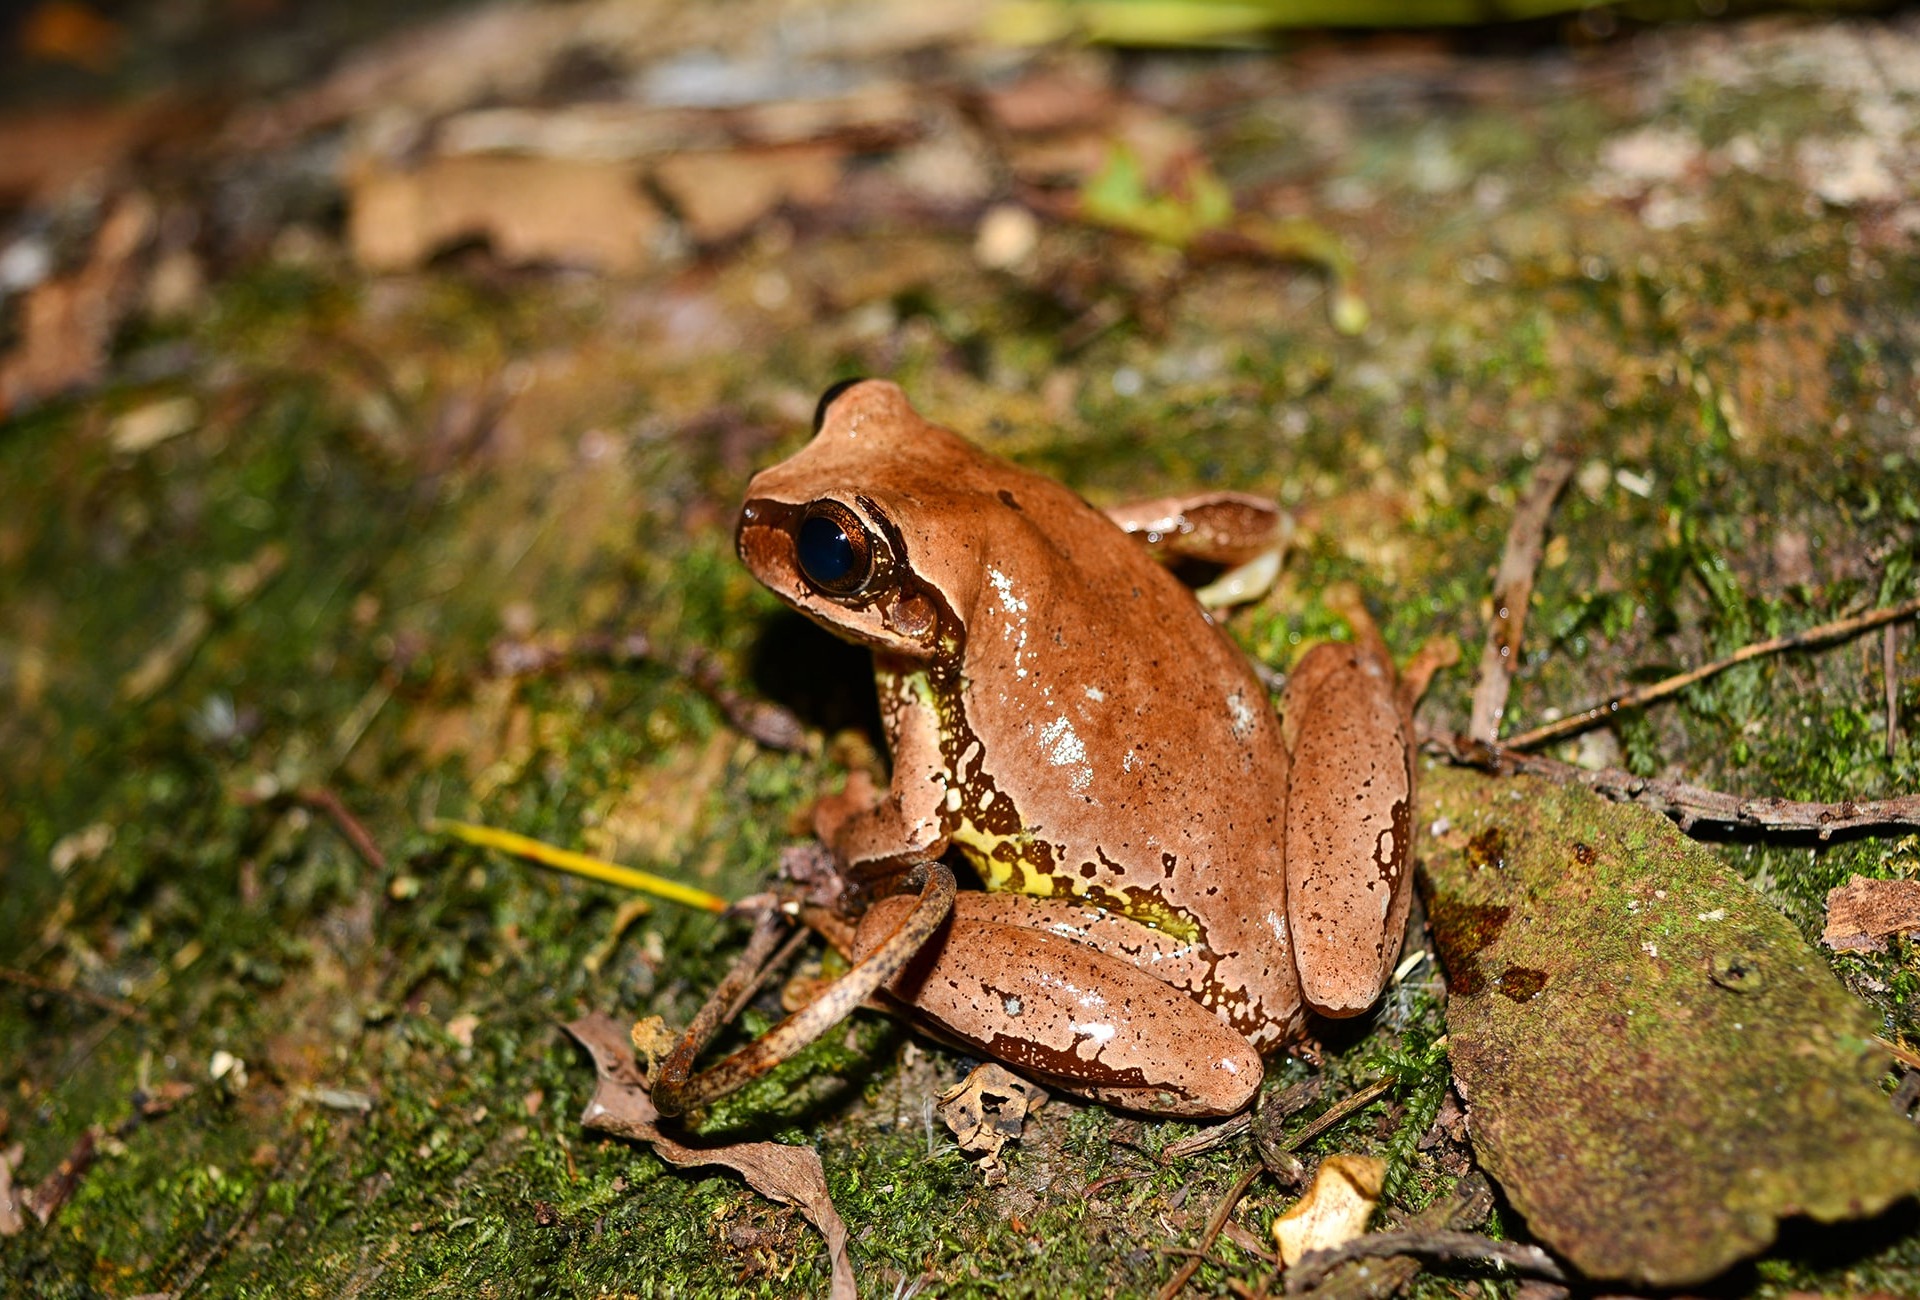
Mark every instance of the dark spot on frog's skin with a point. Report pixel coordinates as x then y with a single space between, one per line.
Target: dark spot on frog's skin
1461 931
1088 871
1520 983
826 399
1166 865
1487 849
1007 498
1584 854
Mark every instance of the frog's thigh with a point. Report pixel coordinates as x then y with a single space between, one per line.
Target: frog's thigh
1349 826
1089 1023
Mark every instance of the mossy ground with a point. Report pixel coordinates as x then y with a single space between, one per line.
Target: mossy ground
1740 387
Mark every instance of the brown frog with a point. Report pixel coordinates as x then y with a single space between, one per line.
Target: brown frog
1173 875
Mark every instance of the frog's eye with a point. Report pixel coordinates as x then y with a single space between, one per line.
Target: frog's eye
835 550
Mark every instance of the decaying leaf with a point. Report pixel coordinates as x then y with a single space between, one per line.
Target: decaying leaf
788 1174
67 323
723 192
986 1110
1656 1066
1335 1209
581 213
1864 911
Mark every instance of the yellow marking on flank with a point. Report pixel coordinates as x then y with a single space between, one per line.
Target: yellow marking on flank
580 864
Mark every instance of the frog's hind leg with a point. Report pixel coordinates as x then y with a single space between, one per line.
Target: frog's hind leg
1248 534
1349 834
1069 1015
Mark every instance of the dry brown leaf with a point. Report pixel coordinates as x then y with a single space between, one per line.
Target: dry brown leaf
788 1174
528 209
1864 911
44 152
723 193
67 324
1335 1209
986 1110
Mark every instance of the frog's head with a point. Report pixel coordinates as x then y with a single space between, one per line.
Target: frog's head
882 528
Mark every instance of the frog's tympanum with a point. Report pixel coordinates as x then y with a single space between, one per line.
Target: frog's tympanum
1173 875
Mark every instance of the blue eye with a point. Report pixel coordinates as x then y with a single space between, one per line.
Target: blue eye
834 549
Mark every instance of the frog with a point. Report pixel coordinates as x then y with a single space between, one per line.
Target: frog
1173 878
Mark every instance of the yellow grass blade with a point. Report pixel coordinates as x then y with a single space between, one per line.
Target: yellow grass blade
580 864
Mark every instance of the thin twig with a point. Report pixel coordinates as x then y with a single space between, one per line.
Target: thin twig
1690 805
1178 1282
1512 589
1099 1185
92 999
799 936
1838 630
1905 1055
1210 1138
1890 682
1435 1245
322 800
1339 1111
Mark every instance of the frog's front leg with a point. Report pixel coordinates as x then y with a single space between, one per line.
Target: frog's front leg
1071 1016
871 833
1349 808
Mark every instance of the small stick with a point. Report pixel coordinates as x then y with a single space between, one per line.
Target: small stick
1441 1245
126 1010
1209 1139
1512 589
1838 630
1339 1111
799 936
1178 1282
1890 681
1905 1055
323 800
1690 805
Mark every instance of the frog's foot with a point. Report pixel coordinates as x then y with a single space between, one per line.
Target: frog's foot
1438 652
676 1089
1248 534
833 813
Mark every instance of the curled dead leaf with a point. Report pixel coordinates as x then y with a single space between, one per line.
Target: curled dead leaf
1335 1209
986 1110
788 1174
582 213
